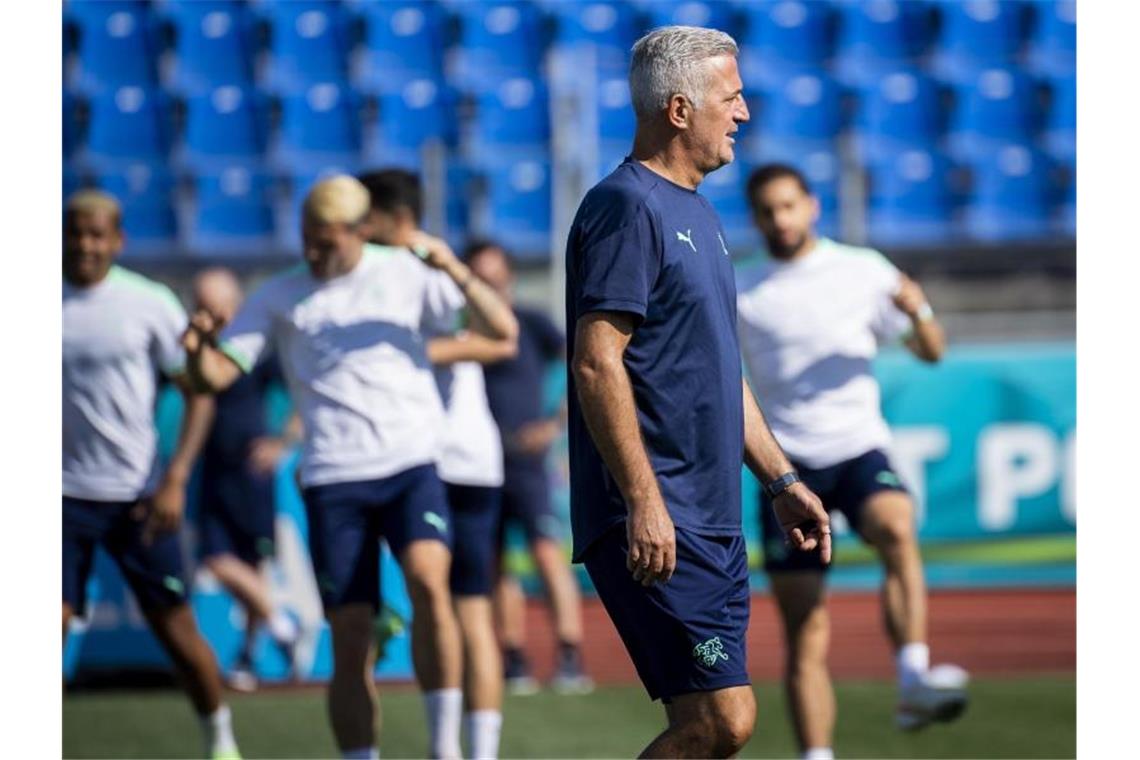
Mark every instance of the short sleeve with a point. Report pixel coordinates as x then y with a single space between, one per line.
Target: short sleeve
443 303
166 342
617 270
888 323
245 338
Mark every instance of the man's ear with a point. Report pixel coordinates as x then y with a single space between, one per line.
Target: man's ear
680 111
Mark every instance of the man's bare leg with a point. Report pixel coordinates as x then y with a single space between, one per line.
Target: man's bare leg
353 704
801 598
482 675
706 724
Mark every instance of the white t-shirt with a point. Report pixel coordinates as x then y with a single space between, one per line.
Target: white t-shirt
808 331
117 336
471 453
352 351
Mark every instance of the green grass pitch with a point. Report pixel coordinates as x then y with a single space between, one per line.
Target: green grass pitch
1014 717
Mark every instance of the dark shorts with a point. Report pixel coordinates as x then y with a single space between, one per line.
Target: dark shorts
347 521
475 515
235 514
689 634
526 500
154 573
844 487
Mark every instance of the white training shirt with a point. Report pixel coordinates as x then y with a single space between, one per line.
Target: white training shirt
471 452
808 331
117 336
353 354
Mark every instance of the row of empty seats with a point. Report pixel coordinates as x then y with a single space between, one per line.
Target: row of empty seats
382 45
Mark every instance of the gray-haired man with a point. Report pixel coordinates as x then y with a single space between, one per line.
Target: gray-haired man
660 418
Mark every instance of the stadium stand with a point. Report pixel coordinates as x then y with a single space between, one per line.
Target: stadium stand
288 90
232 212
146 192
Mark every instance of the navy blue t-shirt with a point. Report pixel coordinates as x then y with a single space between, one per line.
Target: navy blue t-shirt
644 245
514 386
240 418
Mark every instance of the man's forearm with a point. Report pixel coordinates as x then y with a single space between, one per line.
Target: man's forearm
470 347
197 418
927 340
485 302
210 371
762 453
606 399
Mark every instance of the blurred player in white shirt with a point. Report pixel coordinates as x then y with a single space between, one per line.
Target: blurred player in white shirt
470 464
348 327
120 330
811 319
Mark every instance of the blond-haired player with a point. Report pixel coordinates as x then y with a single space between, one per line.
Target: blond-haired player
348 329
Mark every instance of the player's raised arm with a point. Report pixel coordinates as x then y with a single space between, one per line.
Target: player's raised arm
606 398
208 369
484 302
927 339
470 346
801 515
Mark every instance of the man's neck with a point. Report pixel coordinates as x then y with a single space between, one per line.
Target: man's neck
70 280
809 245
667 157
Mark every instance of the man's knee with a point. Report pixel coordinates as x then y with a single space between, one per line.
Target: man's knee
721 723
351 628
426 566
809 642
891 522
734 727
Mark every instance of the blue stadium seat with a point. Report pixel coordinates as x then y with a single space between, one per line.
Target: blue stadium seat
130 124
1053 43
604 29
878 35
498 41
512 121
403 42
457 210
911 199
308 44
117 45
224 126
902 111
1011 196
782 38
519 205
803 114
146 194
715 14
319 126
232 213
70 126
724 189
616 120
213 45
1060 136
976 35
72 181
999 106
1066 214
424 110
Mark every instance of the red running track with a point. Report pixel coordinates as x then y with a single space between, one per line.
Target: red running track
988 632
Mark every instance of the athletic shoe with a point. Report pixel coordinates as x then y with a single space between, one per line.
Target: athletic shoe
242 678
938 696
516 675
570 677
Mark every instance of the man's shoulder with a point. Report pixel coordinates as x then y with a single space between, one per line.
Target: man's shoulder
142 290
854 256
617 199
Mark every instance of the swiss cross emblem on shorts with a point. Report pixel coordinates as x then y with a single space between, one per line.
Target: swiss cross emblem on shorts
710 652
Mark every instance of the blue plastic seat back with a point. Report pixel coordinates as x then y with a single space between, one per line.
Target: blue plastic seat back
499 40
519 204
1053 41
129 123
799 32
976 35
423 109
117 45
1060 137
999 106
227 122
904 108
715 15
882 30
213 45
604 23
516 113
403 42
308 44
232 206
146 195
616 119
1017 180
323 119
807 106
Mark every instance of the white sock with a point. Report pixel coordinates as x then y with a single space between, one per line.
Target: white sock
281 627
218 730
483 728
364 753
819 753
911 662
444 713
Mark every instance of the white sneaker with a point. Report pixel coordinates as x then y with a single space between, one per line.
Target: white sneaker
242 678
939 695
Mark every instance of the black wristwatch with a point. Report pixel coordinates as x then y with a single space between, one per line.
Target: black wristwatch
776 487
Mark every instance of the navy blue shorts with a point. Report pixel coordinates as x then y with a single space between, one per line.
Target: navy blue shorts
235 514
475 514
154 573
844 487
689 634
347 521
526 500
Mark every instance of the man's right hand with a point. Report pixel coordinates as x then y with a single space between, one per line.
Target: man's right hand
202 331
804 520
652 540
